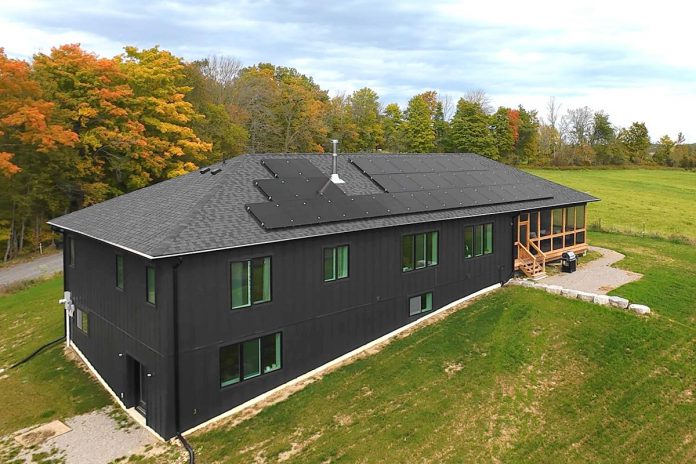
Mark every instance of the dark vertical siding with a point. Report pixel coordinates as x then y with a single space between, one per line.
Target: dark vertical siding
319 321
122 323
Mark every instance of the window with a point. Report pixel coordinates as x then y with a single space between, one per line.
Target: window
419 251
70 250
249 359
469 241
420 304
488 239
580 217
335 263
150 284
82 320
570 219
251 282
119 272
478 241
557 215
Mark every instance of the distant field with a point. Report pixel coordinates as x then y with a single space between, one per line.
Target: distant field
661 202
519 376
48 386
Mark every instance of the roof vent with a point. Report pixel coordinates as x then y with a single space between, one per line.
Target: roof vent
216 171
334 175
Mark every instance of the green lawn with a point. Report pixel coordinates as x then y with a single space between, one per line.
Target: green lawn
48 386
654 201
519 376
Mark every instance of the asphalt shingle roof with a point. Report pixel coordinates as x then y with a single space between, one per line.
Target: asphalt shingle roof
203 212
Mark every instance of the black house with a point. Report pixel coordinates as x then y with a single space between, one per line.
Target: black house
202 292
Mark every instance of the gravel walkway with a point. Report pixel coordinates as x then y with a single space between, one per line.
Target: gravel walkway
39 267
95 438
596 276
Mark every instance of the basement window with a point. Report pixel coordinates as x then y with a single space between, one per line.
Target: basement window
420 304
419 251
119 272
150 284
82 320
249 359
335 263
250 282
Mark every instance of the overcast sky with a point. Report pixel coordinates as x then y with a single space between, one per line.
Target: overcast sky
635 60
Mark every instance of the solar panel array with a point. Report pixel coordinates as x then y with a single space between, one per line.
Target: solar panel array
298 197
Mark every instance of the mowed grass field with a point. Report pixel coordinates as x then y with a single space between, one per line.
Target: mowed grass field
518 376
48 386
654 201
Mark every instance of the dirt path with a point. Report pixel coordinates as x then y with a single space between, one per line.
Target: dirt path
596 276
39 267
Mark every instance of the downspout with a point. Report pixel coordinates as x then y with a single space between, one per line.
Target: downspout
175 318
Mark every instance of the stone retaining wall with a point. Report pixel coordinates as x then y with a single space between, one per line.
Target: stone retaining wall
604 300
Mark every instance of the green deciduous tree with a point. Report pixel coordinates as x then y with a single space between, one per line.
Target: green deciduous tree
471 130
419 127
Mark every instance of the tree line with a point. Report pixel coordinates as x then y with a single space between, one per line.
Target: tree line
77 129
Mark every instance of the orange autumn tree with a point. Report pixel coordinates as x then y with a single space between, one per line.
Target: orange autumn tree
92 96
26 119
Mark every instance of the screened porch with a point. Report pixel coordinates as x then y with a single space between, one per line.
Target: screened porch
544 235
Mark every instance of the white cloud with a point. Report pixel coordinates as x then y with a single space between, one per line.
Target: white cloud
631 59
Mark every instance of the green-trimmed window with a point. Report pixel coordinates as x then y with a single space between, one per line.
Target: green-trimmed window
478 240
469 242
488 239
150 285
419 251
336 263
249 359
420 304
119 272
251 282
82 320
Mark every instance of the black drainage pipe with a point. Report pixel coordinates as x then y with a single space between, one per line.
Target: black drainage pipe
187 445
37 351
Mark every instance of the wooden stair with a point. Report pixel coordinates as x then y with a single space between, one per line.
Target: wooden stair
532 265
533 269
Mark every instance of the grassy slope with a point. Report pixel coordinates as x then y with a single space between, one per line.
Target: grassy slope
661 201
48 386
520 376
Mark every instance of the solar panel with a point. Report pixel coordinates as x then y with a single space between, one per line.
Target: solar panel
411 185
297 188
295 167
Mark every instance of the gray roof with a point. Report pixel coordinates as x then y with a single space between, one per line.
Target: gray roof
197 212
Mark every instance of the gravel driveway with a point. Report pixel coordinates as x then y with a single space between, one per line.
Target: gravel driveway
98 437
39 267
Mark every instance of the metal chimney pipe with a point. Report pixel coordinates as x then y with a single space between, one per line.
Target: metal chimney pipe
334 175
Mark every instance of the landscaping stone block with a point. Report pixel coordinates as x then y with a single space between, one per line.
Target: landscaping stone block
618 302
584 296
639 309
554 289
569 293
601 300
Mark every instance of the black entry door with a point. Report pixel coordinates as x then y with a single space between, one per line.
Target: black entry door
140 388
